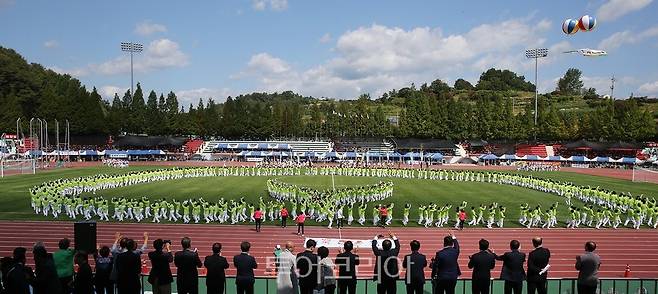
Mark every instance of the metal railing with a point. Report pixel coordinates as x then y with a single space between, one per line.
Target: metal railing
267 285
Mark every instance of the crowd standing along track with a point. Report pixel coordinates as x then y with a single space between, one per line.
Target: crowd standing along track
637 248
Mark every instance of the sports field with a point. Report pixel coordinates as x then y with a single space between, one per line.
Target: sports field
15 202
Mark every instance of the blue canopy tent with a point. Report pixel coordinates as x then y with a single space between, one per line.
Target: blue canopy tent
508 157
533 157
489 156
629 160
578 158
602 159
555 158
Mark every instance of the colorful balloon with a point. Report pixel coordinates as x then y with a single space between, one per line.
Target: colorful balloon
587 23
570 26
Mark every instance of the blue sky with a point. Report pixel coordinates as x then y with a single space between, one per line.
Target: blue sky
329 48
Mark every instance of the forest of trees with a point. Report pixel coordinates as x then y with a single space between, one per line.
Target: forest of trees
486 110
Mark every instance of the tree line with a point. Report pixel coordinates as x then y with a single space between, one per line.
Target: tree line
492 109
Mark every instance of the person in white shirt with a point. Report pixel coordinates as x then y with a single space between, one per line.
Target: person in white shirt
286 278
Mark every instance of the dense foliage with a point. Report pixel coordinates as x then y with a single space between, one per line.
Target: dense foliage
499 106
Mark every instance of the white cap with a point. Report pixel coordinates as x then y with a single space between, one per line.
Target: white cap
278 246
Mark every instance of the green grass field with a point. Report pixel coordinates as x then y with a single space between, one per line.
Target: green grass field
14 201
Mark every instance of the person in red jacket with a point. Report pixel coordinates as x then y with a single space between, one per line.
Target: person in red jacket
284 217
462 219
383 215
258 216
301 218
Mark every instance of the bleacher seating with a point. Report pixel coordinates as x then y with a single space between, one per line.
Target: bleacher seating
294 146
529 149
28 144
363 145
192 146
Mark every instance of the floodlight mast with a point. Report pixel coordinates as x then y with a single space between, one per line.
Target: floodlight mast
132 48
536 54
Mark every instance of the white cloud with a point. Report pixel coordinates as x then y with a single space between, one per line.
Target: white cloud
326 38
74 72
276 5
615 9
107 92
159 54
377 58
185 97
618 39
51 44
649 89
146 28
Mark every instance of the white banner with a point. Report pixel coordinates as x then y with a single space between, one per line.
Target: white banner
338 243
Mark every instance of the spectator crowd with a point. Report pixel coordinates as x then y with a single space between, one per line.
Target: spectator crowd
311 271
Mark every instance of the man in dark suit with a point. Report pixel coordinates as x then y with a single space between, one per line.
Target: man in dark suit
244 266
216 265
187 261
347 262
588 265
18 275
386 264
128 266
482 263
160 276
415 264
445 269
538 267
513 273
307 265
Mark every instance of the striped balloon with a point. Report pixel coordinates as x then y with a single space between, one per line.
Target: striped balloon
587 23
570 26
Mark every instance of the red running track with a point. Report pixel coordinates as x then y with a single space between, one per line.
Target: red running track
638 248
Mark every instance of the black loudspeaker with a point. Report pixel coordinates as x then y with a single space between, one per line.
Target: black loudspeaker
85 236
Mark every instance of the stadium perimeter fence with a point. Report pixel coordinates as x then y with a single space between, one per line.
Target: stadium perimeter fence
267 285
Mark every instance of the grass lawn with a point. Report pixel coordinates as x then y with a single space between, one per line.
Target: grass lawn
14 202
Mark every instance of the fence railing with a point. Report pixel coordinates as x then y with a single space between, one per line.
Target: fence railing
267 285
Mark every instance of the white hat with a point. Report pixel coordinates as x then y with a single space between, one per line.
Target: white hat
278 246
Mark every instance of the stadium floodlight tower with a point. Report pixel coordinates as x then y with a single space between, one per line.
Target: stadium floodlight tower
132 48
536 54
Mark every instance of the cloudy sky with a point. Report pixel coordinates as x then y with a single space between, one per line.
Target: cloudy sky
329 48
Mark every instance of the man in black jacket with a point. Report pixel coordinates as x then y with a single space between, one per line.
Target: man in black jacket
216 265
347 262
16 277
307 265
386 264
482 263
445 268
160 276
244 266
128 268
513 273
538 267
187 261
415 264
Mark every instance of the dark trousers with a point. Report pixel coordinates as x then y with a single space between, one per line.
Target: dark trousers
244 288
538 287
284 221
306 288
346 286
416 288
584 289
300 228
339 222
181 288
216 289
65 283
480 286
330 289
461 224
386 287
510 286
445 286
258 223
104 287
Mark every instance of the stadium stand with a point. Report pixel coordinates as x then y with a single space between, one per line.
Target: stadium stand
293 146
364 144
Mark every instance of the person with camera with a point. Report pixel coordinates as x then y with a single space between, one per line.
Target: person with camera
216 275
187 261
386 265
160 276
